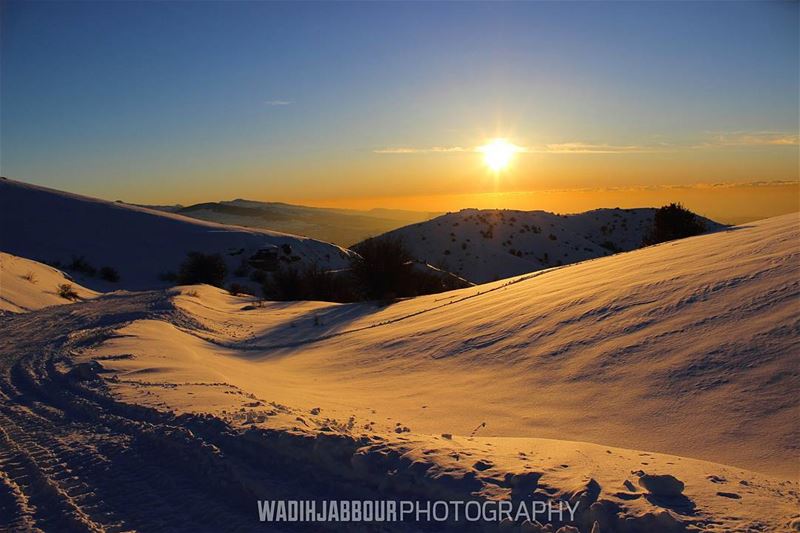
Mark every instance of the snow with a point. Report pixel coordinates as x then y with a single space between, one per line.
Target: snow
141 244
544 385
26 285
690 334
491 244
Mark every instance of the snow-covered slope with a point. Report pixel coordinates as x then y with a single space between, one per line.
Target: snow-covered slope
691 344
26 285
486 245
141 244
341 226
545 386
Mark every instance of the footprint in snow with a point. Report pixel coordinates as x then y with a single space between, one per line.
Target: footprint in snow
482 465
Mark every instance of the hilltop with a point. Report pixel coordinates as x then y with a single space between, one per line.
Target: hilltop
490 244
139 244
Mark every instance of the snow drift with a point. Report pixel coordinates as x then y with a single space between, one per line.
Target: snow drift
686 348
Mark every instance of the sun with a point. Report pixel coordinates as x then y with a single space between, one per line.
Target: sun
497 154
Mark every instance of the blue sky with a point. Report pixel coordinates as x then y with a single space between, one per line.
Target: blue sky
144 100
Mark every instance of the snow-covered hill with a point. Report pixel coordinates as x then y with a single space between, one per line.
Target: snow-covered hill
656 388
486 245
26 285
140 244
340 226
691 341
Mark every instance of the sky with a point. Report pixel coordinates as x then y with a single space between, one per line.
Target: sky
384 104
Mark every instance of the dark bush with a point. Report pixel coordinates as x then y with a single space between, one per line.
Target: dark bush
108 273
610 246
237 289
259 276
311 283
81 265
318 284
243 269
203 268
672 222
382 268
283 285
431 282
66 291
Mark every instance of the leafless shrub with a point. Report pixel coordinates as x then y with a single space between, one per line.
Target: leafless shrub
66 291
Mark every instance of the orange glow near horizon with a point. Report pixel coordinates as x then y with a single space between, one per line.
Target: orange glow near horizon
727 203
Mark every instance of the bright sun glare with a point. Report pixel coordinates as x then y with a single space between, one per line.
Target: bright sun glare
497 154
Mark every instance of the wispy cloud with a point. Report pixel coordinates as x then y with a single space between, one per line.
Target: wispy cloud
558 148
278 102
430 150
751 138
711 140
589 148
662 187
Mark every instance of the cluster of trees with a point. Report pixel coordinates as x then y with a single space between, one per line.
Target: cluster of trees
80 265
383 270
202 268
307 283
672 222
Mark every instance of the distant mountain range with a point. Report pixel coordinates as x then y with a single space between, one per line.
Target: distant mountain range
140 244
143 244
486 245
344 227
